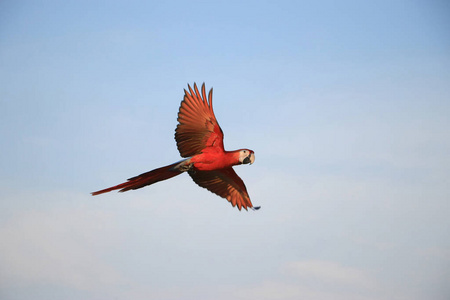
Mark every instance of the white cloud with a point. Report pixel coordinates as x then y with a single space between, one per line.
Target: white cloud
315 280
330 273
440 253
61 247
289 291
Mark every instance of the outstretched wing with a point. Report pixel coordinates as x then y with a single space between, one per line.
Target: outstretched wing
197 126
225 183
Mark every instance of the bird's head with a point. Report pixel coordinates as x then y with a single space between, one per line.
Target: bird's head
246 156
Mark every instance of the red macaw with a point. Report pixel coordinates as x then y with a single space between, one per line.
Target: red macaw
200 141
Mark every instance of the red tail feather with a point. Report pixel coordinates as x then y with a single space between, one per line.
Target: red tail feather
144 179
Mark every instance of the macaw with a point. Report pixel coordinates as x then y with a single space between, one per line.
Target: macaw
199 140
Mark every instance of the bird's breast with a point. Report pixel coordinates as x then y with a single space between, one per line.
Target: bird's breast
214 161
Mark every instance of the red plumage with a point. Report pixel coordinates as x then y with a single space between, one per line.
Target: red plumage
144 179
200 140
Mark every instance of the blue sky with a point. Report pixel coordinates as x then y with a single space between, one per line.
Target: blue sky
346 105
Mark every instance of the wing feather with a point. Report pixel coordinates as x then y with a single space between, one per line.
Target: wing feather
197 125
224 183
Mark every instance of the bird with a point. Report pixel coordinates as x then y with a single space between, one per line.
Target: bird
199 140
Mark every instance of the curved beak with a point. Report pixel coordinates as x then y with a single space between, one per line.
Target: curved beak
249 159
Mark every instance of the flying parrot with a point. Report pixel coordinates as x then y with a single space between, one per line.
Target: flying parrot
199 140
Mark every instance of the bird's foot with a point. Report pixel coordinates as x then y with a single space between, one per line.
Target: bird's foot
184 168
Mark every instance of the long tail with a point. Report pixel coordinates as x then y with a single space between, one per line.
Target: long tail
147 178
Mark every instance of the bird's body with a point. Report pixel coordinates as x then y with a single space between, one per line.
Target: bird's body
200 141
211 159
